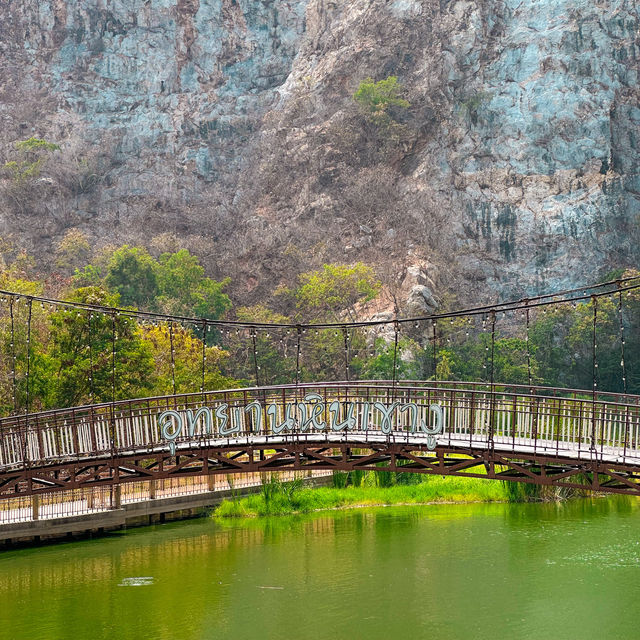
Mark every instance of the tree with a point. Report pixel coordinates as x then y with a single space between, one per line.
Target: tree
179 274
15 277
275 355
131 273
187 361
31 155
405 358
90 275
184 290
79 356
379 100
562 341
335 290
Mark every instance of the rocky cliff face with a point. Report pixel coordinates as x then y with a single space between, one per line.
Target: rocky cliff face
231 124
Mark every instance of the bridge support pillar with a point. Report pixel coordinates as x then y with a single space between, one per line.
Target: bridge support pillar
116 497
153 488
35 507
211 482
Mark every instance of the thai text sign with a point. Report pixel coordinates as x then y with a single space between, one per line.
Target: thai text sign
311 414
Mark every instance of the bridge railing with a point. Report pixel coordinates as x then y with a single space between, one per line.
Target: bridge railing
509 418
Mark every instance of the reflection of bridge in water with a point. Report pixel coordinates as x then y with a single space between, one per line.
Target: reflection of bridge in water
533 434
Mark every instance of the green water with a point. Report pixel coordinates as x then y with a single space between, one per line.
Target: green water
539 571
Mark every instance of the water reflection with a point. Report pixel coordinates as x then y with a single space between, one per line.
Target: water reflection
446 571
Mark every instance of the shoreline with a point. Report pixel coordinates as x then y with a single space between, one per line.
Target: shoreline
277 498
379 505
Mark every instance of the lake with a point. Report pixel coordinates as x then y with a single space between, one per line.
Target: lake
540 571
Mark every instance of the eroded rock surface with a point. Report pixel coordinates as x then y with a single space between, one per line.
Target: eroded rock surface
231 123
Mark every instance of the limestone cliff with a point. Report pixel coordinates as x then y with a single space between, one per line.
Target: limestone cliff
231 123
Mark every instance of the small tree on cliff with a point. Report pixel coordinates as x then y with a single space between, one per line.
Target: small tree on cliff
381 101
30 155
382 109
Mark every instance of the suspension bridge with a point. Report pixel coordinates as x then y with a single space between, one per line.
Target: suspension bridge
583 439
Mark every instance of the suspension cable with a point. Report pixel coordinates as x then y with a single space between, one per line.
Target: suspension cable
576 295
594 371
13 356
528 349
298 332
28 395
346 353
173 358
204 357
492 379
622 358
113 381
91 372
255 356
434 327
395 354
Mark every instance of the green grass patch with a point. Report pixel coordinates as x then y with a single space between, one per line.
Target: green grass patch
278 498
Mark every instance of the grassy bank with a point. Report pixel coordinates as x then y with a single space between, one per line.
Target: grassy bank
276 498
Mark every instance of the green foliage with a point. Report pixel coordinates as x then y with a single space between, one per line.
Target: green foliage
380 100
356 477
275 350
444 365
435 489
339 479
186 368
32 154
335 289
562 344
65 347
178 271
470 105
521 492
78 348
385 478
35 144
379 366
270 488
23 170
277 496
471 360
184 290
132 274
324 356
175 284
87 276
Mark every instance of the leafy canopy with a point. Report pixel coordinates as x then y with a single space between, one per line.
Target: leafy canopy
187 368
184 290
79 354
174 284
378 99
32 153
131 273
336 289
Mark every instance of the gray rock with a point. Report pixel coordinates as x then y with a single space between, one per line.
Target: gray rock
420 302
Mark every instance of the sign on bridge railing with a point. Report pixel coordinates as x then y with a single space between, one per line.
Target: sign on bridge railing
310 415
